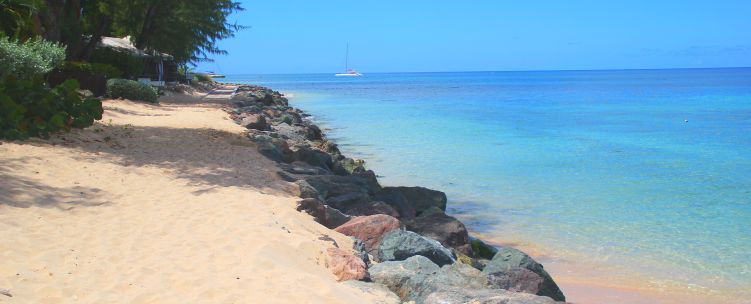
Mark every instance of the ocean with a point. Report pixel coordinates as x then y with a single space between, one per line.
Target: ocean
640 174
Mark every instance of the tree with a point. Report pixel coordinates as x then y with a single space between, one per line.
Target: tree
188 30
17 18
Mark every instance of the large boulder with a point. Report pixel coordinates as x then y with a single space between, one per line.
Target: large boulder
342 202
312 156
400 245
505 267
345 265
255 121
349 166
404 277
274 148
459 295
435 224
418 279
335 185
399 203
370 208
370 229
481 249
420 198
324 215
379 292
517 279
313 132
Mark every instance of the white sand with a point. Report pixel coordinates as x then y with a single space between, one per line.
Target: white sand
157 204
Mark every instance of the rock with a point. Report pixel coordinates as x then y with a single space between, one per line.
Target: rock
294 133
370 229
324 215
400 204
342 202
302 168
313 132
335 185
254 121
349 166
403 277
370 208
508 259
517 279
5 292
370 178
313 157
435 224
421 198
481 249
306 190
274 148
378 291
400 245
418 279
345 265
458 295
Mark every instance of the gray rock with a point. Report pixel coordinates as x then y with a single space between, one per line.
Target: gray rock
335 185
401 245
370 208
312 156
380 292
403 277
342 202
505 263
313 132
459 295
435 224
302 168
324 215
254 121
400 204
421 198
306 190
517 279
481 249
349 166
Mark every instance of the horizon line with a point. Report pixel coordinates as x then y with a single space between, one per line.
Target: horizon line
510 71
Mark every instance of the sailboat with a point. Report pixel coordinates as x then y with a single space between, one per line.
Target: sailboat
349 72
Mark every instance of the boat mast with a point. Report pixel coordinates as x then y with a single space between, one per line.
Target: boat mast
346 59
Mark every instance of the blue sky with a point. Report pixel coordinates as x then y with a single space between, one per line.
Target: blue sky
310 36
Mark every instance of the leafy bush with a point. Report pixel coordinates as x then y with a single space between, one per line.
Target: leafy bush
130 66
85 68
28 59
130 89
203 77
28 108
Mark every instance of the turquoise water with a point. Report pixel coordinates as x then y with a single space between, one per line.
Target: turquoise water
646 168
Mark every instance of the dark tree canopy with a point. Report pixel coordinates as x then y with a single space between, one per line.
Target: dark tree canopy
186 29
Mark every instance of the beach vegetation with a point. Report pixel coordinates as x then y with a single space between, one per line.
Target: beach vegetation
200 77
30 108
17 18
130 89
30 58
90 69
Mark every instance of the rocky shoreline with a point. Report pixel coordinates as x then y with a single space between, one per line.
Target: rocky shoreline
406 245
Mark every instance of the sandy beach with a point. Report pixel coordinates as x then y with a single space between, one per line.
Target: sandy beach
158 204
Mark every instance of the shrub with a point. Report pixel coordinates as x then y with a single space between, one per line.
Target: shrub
89 69
130 89
129 66
33 57
203 77
28 108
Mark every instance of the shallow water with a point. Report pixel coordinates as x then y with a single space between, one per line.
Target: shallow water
646 169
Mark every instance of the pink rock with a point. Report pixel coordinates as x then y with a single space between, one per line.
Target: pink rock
346 266
370 229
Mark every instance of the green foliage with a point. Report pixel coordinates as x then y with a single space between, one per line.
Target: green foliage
85 68
28 108
129 66
129 89
202 77
186 29
17 17
30 58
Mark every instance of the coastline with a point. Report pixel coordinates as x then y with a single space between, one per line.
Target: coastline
587 281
